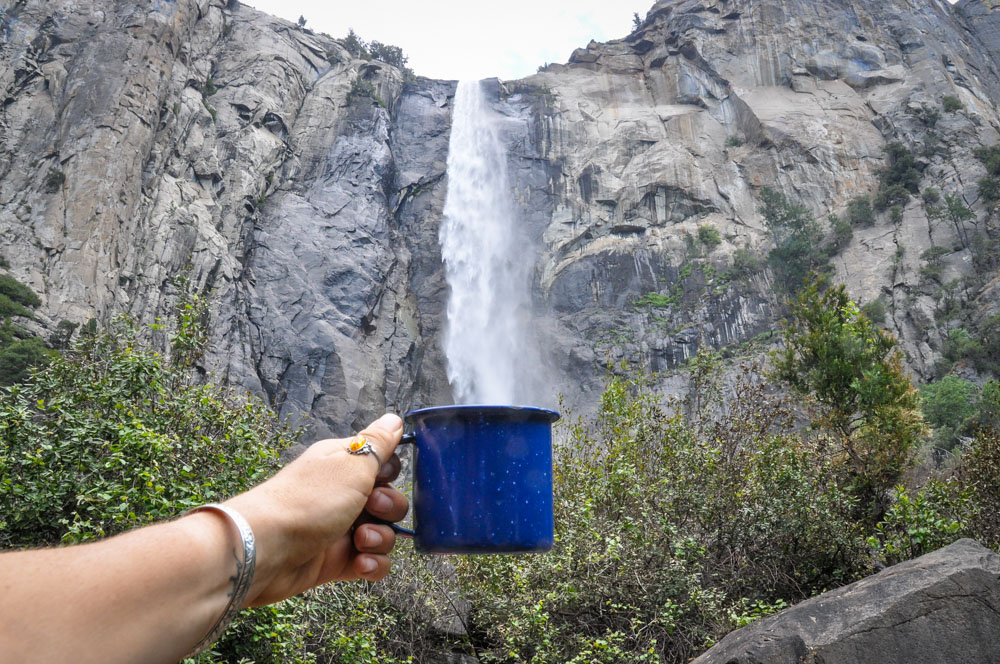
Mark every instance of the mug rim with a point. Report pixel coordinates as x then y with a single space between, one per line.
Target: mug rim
533 412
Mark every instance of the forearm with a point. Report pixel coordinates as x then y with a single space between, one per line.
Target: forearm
147 596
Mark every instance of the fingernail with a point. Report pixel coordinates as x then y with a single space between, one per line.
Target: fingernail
366 564
372 538
390 422
381 502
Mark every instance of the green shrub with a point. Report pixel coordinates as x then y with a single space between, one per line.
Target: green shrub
656 300
931 196
361 87
669 533
951 104
746 263
18 292
734 141
19 356
63 334
989 189
709 236
886 197
859 212
960 345
928 115
902 170
110 436
990 157
842 233
875 311
54 180
949 406
854 372
798 249
979 473
934 254
920 523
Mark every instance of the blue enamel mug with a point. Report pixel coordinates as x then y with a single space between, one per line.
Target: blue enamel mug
482 479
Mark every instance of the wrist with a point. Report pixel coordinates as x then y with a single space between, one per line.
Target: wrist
244 557
270 539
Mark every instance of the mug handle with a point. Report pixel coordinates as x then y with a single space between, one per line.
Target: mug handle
408 438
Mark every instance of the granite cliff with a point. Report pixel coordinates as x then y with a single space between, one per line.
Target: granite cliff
302 186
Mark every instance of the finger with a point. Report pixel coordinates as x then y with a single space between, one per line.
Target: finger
384 434
371 567
374 538
387 503
389 470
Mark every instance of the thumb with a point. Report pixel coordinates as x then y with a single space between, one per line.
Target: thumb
384 435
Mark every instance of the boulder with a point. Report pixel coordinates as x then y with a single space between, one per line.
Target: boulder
941 607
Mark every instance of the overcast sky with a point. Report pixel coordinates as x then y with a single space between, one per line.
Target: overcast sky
455 39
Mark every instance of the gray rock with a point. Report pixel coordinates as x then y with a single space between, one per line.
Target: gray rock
310 214
941 607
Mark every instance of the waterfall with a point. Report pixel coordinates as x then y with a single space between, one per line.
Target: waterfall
488 344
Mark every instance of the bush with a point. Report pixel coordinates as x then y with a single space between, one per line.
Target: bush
20 351
875 311
990 157
951 104
19 356
842 234
669 534
920 523
931 196
709 236
18 292
854 372
960 345
889 196
979 471
110 436
797 240
902 170
54 180
949 406
859 212
746 263
989 189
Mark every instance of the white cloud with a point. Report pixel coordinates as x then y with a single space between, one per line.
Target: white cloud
452 39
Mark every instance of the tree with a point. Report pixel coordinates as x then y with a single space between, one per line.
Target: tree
302 21
636 20
20 350
797 239
854 372
949 405
958 213
355 45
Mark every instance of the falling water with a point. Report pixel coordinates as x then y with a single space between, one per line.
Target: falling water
487 263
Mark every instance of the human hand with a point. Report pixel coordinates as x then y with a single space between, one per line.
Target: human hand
308 521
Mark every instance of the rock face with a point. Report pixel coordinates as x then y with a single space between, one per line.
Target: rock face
142 142
302 187
941 607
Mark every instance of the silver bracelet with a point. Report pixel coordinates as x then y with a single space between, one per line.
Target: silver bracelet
241 581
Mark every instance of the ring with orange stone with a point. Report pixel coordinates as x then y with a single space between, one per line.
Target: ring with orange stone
361 445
